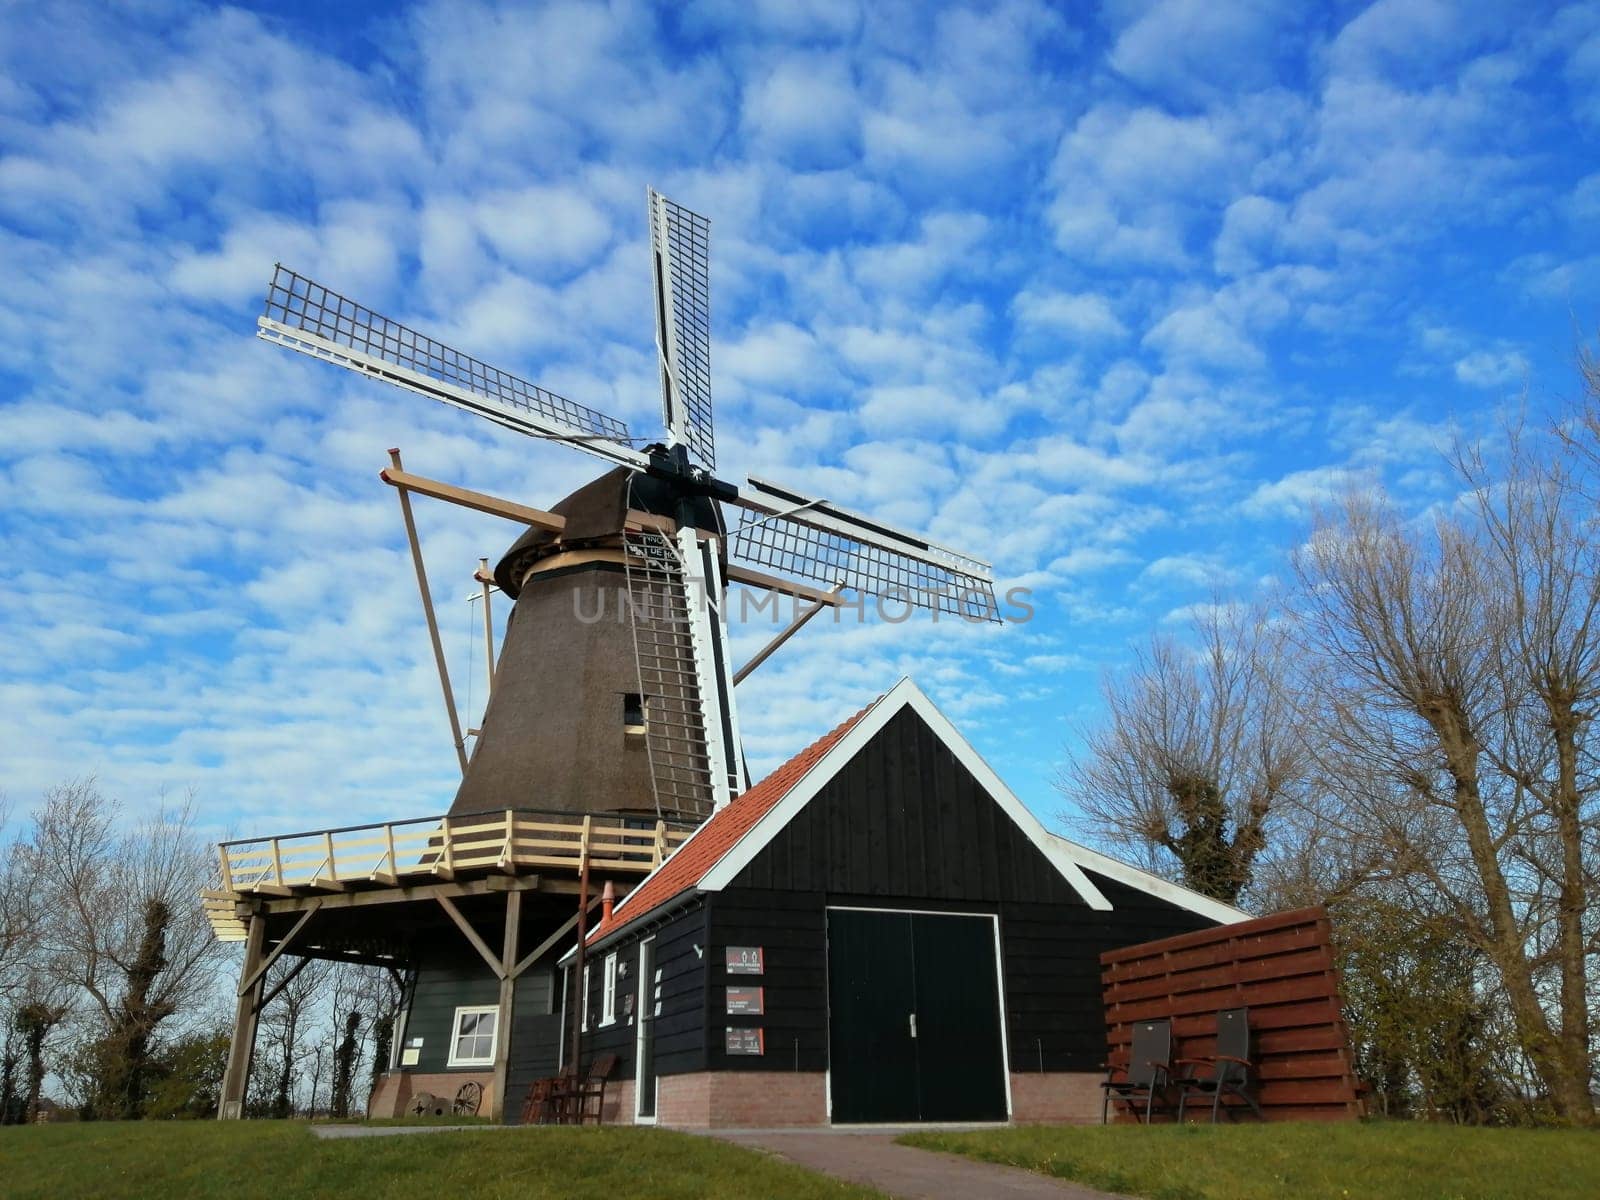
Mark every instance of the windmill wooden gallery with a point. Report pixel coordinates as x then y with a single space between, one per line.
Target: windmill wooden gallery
878 931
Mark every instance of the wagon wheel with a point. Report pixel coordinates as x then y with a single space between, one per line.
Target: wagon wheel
421 1105
468 1096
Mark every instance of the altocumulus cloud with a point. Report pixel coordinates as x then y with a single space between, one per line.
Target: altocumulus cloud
1107 296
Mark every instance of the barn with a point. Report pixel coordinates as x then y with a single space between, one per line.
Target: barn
879 931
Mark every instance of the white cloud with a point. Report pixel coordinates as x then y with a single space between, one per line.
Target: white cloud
1298 492
1192 48
1491 369
805 107
1083 316
1203 336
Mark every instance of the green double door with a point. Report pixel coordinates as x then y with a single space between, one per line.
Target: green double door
913 1018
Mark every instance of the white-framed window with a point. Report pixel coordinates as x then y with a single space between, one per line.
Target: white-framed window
472 1037
608 998
583 999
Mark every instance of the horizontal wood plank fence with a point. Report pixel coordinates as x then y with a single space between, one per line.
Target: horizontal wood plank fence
1281 968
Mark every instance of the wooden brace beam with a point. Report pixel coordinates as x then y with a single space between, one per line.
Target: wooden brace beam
794 627
433 624
294 931
533 956
466 928
510 510
478 501
288 977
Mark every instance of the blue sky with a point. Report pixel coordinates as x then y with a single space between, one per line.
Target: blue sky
1108 296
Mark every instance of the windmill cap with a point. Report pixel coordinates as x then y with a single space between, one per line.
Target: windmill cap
596 513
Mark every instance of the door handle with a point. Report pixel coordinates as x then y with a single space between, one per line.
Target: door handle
913 1025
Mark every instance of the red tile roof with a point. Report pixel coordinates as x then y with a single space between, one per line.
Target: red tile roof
691 862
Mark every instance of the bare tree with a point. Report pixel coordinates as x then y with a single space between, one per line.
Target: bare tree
382 994
1197 751
1456 665
122 926
19 911
288 1036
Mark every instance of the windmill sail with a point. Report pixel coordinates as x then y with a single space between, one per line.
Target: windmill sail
784 531
305 316
680 256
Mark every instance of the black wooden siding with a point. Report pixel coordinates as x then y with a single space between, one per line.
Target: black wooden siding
447 978
1055 1011
905 818
535 1035
902 825
680 1033
905 825
789 928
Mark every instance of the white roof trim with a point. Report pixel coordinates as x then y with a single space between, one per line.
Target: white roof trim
904 694
1154 885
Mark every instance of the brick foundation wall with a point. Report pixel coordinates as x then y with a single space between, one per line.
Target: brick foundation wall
618 1106
684 1100
743 1099
1057 1098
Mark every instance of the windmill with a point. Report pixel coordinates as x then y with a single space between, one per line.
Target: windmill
656 517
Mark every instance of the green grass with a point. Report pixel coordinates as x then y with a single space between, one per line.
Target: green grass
1304 1161
274 1160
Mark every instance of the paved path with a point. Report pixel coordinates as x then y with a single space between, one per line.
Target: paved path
904 1172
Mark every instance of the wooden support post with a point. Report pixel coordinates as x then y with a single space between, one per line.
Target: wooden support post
508 996
433 624
333 866
236 1078
488 633
578 990
392 875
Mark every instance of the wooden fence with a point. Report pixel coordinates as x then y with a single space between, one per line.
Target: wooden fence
1281 968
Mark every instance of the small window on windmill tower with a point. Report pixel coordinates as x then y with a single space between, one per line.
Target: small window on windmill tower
633 713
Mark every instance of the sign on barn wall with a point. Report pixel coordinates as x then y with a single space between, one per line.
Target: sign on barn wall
744 960
746 1001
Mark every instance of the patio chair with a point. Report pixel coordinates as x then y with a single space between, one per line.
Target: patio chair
548 1098
1225 1073
537 1107
1147 1074
589 1093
